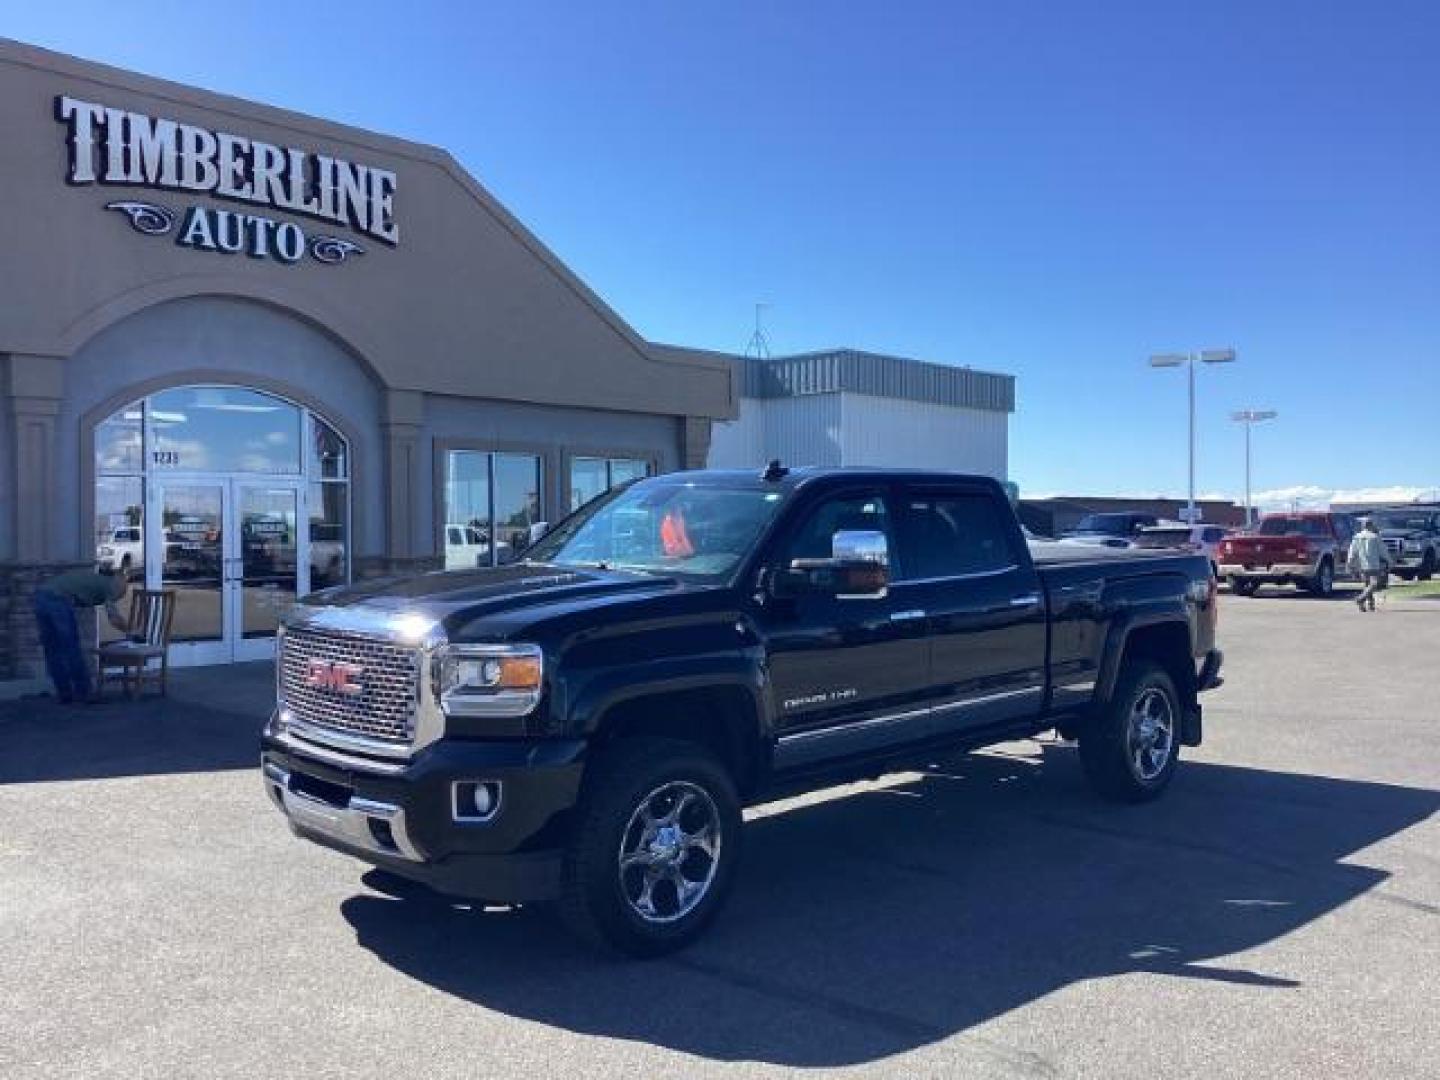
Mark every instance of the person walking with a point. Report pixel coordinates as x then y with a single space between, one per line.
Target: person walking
56 602
1371 561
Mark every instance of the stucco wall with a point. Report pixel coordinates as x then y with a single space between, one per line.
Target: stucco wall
468 302
219 339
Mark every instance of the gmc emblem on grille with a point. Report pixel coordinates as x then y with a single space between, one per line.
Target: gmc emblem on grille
335 676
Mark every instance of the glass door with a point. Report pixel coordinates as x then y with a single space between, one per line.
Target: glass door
269 563
236 557
186 550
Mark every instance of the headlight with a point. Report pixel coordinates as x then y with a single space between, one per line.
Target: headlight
489 680
1413 545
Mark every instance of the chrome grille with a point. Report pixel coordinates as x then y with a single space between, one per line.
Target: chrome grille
388 680
1393 544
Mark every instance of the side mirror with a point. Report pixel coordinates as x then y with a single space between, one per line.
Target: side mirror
858 569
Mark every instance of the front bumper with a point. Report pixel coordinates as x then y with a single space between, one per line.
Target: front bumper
402 818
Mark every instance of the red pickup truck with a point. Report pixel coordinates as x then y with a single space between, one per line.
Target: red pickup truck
1307 550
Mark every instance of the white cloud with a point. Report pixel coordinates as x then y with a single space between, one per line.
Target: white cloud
1313 496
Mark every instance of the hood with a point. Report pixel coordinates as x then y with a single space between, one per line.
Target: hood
449 595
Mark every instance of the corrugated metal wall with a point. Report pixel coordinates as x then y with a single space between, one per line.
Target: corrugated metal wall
916 435
874 375
798 431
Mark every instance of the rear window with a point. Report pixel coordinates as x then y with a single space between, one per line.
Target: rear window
1294 526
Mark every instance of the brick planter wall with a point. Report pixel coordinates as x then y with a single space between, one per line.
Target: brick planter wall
20 653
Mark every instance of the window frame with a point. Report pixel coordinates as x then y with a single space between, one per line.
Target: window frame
544 456
608 454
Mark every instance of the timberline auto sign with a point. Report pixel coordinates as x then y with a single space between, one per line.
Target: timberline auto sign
117 147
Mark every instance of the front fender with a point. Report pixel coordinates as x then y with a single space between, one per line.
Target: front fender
593 695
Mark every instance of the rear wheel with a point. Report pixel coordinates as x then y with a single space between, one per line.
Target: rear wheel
1131 749
1427 565
654 848
1323 583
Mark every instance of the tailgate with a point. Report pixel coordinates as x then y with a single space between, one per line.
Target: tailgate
1264 550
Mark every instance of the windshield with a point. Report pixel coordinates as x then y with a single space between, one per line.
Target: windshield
1293 526
1407 522
663 525
1118 524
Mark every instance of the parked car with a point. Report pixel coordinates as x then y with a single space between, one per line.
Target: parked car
1177 536
123 552
1307 550
584 726
1413 539
468 546
1111 529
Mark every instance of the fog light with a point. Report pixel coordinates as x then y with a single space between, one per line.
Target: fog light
477 800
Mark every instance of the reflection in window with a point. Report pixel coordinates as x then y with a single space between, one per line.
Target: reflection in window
223 429
329 554
118 444
593 476
119 533
491 502
328 459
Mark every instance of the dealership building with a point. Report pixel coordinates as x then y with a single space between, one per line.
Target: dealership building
246 353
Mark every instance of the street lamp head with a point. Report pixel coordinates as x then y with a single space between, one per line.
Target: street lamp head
1217 356
1250 416
1169 360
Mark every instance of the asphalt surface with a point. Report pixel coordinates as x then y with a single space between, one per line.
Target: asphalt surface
1277 914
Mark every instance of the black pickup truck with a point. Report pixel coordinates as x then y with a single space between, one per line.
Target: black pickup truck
584 726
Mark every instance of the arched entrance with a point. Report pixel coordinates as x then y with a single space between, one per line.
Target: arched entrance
235 498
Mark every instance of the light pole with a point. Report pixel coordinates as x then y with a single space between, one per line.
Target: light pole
1188 360
1250 417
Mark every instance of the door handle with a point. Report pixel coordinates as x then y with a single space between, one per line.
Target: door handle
907 616
1028 600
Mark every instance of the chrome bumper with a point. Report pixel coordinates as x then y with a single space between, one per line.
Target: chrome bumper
362 824
1275 570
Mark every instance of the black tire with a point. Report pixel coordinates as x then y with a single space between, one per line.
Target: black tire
1241 587
1405 575
1323 583
1112 744
627 782
1427 565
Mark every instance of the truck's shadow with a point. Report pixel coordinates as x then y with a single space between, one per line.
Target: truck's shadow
867 925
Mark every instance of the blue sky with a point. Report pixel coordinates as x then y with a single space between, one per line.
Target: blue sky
1048 189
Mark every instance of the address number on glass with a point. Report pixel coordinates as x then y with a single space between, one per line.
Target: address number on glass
165 457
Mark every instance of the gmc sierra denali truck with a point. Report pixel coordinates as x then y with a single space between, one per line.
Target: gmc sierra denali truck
584 726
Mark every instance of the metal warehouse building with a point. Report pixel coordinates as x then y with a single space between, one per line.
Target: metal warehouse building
847 407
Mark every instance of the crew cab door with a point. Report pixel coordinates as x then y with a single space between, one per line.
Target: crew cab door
846 673
985 609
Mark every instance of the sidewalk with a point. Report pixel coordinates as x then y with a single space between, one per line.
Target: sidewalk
211 720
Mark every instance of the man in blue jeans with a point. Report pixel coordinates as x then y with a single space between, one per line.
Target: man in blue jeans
56 602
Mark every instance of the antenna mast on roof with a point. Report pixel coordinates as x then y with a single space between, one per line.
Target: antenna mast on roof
759 344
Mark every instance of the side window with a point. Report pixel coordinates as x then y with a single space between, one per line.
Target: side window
847 512
1214 536
953 535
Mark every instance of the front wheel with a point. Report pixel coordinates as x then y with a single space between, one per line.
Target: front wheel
1427 565
1130 750
654 848
1243 587
1323 583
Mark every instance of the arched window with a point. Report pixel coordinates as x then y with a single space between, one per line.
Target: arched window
231 473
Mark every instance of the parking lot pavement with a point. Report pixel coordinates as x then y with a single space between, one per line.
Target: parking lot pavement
1277 914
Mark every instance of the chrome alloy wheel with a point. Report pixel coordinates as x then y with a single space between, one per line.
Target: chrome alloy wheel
1150 734
670 851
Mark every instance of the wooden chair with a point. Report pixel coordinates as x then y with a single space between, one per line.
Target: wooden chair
143 654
